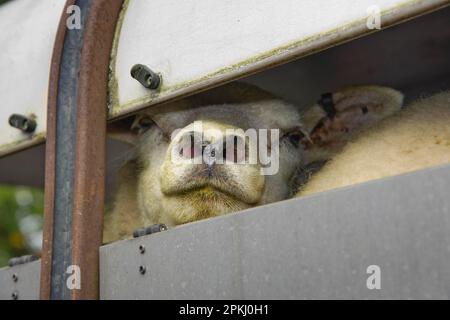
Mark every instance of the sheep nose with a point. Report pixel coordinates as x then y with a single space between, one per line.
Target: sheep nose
209 158
209 151
209 155
232 149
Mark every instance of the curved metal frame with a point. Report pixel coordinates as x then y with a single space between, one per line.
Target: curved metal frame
75 150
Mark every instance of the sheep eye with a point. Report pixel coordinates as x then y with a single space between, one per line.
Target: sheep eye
294 137
145 122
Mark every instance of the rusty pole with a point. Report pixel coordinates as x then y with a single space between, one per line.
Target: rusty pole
76 150
89 183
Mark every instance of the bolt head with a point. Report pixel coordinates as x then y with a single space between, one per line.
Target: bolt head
142 269
23 123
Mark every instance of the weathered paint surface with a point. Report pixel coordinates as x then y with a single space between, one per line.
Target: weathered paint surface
324 246
194 44
21 280
27 33
313 247
197 44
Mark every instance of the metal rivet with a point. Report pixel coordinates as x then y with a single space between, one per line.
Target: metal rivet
15 277
15 295
23 123
142 249
148 78
142 269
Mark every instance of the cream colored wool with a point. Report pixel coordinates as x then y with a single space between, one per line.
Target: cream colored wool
415 138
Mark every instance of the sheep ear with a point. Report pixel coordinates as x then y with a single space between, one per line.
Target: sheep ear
338 116
129 129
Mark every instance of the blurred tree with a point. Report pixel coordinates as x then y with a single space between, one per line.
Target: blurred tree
20 221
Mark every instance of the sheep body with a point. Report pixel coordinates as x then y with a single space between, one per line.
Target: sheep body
416 137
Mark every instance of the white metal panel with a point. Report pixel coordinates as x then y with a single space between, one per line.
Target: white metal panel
198 43
27 34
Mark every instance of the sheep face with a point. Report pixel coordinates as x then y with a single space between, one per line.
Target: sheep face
211 167
230 149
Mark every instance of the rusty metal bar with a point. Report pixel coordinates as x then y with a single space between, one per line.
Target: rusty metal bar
50 159
75 154
90 162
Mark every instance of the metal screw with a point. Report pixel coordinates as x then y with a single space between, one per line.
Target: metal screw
148 78
142 249
15 277
23 123
15 295
142 269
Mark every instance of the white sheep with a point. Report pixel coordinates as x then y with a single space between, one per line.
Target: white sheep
153 188
416 137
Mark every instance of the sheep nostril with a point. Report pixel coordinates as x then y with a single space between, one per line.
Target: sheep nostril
192 152
224 152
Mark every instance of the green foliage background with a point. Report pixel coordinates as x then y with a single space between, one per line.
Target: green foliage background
13 240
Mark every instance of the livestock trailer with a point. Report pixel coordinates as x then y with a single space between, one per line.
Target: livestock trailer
65 78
